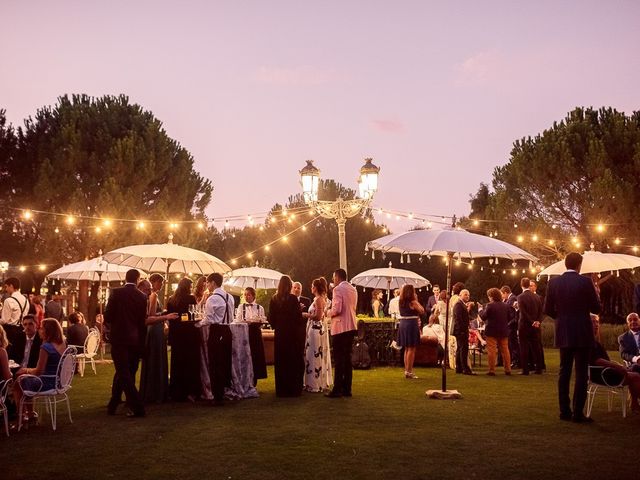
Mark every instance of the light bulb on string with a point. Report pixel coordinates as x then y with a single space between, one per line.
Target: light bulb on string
27 214
70 220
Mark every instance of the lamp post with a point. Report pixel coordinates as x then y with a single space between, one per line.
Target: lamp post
340 209
101 267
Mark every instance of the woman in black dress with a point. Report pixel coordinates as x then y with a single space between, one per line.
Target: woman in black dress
285 316
184 338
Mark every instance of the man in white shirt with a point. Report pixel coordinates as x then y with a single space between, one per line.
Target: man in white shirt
394 304
218 314
14 308
250 311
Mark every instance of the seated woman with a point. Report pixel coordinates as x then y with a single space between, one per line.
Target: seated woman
617 372
5 373
435 330
53 346
77 332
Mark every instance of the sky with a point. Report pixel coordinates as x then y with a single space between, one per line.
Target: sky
435 91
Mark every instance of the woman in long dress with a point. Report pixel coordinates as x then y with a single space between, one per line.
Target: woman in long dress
185 339
285 316
317 374
154 376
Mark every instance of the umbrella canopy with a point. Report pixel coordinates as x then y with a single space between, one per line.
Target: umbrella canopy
596 262
89 270
451 243
460 243
167 258
388 278
255 277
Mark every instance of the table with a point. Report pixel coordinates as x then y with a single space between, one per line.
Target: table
241 364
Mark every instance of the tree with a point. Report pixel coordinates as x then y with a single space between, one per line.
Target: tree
87 157
573 185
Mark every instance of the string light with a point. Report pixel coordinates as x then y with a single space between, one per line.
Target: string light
27 215
70 219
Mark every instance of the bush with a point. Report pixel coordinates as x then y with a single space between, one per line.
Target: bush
609 334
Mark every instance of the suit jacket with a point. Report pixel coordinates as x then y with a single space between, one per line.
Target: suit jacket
343 308
530 308
15 351
126 313
497 316
432 302
460 318
571 298
637 298
306 301
628 346
511 299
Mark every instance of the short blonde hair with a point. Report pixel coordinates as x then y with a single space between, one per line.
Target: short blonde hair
4 342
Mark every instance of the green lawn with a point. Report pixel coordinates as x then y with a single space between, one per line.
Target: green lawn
504 427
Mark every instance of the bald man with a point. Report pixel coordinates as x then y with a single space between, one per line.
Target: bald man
304 302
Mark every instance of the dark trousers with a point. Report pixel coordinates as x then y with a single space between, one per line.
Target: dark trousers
514 349
567 357
462 352
219 359
342 345
529 351
126 360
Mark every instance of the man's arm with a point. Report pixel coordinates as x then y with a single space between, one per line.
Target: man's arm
625 352
336 305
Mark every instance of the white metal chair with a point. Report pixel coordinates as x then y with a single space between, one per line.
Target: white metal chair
63 377
91 347
5 388
598 381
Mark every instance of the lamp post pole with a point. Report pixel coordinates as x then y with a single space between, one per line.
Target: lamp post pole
340 210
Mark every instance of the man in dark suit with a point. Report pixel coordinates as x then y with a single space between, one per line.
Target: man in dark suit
629 343
461 332
636 302
304 302
433 300
530 316
571 298
26 348
126 313
510 299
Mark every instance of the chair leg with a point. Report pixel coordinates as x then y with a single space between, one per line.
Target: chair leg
6 421
20 408
591 394
53 409
93 365
68 407
81 367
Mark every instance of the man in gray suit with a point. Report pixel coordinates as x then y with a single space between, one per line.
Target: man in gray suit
629 343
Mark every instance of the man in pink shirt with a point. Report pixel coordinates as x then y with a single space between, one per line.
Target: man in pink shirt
343 328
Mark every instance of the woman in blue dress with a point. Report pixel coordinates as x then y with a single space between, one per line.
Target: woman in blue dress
409 330
53 346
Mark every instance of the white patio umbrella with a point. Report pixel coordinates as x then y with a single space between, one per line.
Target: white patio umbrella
167 258
451 243
389 278
94 270
255 277
596 262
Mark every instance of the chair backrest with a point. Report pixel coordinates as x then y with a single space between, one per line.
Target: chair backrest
606 376
92 342
5 387
66 369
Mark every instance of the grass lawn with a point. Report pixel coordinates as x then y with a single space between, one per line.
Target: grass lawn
504 427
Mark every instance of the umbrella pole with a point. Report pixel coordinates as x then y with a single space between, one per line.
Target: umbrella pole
166 283
388 292
446 328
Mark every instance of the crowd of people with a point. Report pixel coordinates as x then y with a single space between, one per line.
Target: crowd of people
141 328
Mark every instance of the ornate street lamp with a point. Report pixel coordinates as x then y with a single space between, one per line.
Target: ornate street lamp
340 209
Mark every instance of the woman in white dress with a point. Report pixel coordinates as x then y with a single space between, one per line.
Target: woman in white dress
317 374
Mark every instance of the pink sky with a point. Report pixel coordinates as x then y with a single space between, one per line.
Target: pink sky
435 92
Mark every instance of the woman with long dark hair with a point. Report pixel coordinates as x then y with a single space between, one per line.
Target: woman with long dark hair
409 330
285 316
184 338
317 373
